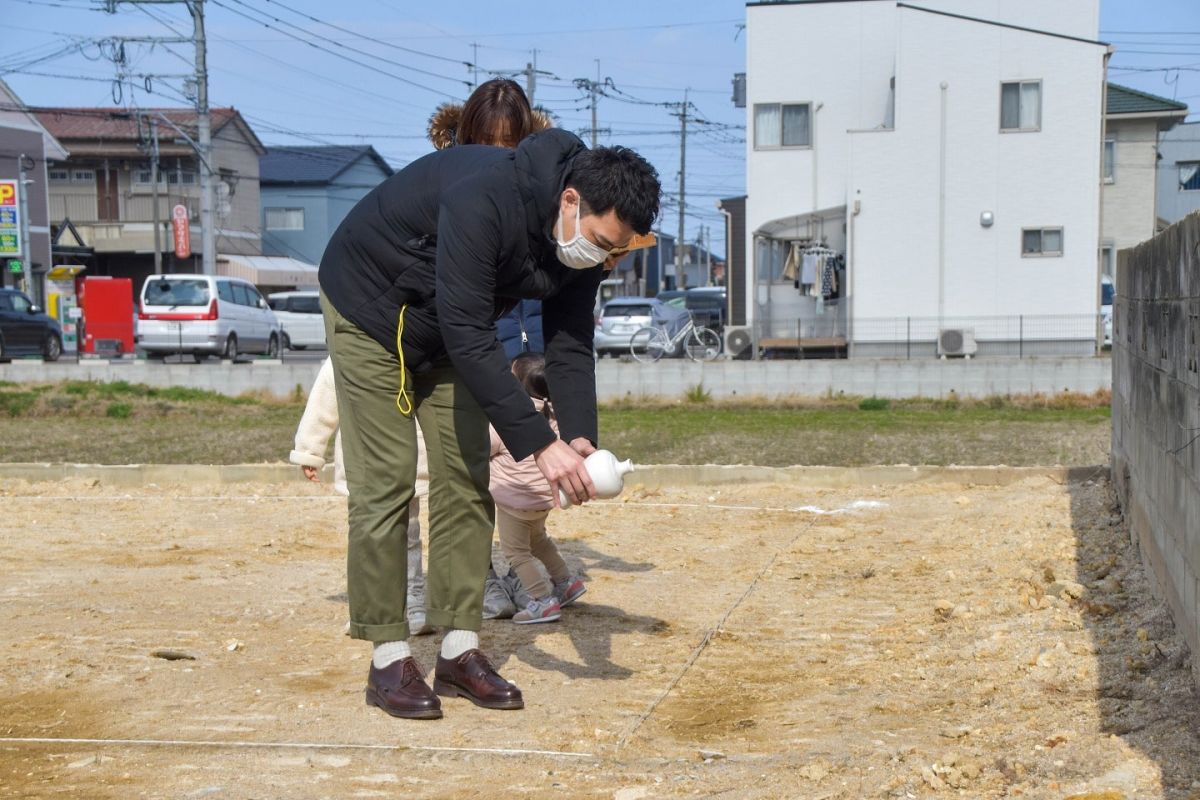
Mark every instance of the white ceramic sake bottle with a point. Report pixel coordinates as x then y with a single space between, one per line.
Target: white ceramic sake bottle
608 475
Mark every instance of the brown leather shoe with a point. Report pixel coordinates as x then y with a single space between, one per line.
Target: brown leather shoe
472 676
400 690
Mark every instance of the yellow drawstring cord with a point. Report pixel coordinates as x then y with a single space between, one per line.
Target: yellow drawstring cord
402 398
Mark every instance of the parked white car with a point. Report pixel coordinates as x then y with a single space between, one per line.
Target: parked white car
205 315
1107 292
299 313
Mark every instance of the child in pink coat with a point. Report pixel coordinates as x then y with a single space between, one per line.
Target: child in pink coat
523 500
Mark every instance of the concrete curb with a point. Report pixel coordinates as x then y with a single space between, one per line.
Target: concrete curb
650 476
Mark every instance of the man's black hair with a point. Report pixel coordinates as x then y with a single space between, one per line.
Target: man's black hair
617 178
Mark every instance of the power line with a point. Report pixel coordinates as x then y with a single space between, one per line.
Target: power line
585 30
290 66
384 42
56 5
336 54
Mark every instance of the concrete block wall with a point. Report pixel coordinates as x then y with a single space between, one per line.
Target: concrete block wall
1156 412
670 378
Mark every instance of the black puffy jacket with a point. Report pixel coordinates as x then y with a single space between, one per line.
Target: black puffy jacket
459 236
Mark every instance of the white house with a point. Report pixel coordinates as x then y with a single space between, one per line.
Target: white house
946 156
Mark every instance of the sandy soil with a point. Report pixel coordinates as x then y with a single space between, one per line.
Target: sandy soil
954 641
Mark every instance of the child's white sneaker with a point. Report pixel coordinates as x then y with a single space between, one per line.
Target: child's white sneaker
545 610
568 590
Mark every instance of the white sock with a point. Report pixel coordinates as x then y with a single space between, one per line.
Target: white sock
458 642
389 653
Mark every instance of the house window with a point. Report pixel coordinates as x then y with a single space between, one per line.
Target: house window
1042 242
1108 260
1021 106
141 178
285 219
83 176
782 125
1189 176
1110 160
59 175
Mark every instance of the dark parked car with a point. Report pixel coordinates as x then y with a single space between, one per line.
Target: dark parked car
25 330
706 304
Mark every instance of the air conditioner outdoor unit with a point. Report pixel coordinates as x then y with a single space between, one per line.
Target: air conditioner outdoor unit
957 342
739 341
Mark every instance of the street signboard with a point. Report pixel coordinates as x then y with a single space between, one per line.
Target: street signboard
10 220
179 227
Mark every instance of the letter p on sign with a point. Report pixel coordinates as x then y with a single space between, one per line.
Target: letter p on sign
8 194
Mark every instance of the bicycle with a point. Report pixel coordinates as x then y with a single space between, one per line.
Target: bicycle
649 344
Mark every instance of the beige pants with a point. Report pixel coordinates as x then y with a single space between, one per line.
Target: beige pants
524 542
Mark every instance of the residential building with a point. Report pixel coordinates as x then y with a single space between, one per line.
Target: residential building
945 159
307 191
105 190
1179 173
25 143
1133 123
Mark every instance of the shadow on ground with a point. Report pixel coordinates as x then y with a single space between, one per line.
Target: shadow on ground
1146 694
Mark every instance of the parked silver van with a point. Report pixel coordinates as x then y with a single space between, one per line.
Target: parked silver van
205 315
299 313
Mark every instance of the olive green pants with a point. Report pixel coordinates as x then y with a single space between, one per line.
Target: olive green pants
379 444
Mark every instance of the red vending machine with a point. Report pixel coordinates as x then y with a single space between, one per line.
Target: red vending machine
106 328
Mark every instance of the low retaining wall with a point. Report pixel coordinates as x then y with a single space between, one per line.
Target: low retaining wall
982 377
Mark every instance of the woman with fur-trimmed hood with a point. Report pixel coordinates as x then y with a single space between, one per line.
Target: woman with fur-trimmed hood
450 126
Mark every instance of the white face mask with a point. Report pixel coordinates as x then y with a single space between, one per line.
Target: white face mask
579 253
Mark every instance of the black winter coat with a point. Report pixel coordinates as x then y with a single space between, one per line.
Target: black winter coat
459 236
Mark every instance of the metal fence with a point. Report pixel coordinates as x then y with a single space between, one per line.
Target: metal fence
1019 336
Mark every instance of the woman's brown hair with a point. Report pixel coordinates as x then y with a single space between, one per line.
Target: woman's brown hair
497 113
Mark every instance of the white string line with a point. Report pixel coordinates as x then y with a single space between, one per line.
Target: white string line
607 504
503 751
855 506
700 648
172 498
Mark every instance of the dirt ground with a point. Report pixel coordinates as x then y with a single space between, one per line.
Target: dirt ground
930 641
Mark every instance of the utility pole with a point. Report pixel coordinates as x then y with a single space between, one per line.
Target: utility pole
683 109
154 196
530 72
26 246
531 77
203 144
207 232
595 89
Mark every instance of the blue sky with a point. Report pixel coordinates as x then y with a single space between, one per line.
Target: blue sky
293 93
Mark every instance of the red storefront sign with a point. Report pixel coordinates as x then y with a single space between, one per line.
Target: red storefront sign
180 229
